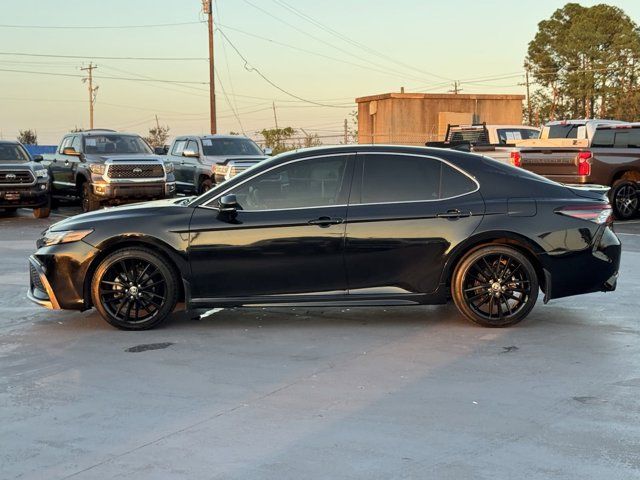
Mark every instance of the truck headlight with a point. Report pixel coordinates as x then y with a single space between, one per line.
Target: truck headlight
169 167
42 173
97 168
64 236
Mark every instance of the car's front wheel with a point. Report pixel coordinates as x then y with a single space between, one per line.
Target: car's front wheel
495 286
89 201
135 288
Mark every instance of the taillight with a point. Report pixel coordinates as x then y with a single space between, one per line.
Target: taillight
516 159
584 166
596 213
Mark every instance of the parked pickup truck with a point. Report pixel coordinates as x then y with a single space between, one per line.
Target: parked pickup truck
602 152
107 167
495 141
203 161
24 181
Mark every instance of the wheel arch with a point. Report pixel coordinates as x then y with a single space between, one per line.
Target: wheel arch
81 179
512 239
627 173
177 262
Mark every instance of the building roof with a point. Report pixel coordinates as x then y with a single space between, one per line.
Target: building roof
440 96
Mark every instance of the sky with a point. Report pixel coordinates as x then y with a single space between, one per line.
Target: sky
315 58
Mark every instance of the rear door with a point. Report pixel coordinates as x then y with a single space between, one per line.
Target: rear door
406 212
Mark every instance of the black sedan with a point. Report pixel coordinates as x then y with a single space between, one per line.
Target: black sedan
349 225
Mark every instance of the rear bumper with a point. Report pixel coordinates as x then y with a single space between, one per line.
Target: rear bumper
586 271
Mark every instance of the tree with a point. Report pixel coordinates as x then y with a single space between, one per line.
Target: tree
28 137
309 140
158 136
276 138
585 61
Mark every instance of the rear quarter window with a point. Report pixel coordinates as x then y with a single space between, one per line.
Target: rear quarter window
455 183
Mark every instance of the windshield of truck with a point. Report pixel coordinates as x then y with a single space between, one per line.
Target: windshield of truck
230 146
509 136
115 144
13 153
567 130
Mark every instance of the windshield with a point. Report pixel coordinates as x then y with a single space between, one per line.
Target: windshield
507 136
14 153
230 146
115 144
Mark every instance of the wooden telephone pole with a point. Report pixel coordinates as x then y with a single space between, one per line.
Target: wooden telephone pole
207 8
92 90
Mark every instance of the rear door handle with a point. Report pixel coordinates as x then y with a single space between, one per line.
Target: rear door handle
326 221
453 214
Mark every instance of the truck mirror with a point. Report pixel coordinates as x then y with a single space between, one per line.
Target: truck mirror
70 151
190 153
37 158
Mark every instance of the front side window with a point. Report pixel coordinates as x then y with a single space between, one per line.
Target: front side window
230 147
303 184
13 153
192 146
66 142
407 178
115 144
178 147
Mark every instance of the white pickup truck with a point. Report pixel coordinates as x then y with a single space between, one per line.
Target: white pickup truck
495 141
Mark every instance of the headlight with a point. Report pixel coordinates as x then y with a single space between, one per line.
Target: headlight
221 169
97 168
168 167
64 236
42 173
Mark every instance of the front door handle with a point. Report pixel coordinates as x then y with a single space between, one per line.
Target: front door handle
453 214
326 221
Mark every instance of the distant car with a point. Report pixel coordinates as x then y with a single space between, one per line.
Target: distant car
207 160
330 226
105 167
24 181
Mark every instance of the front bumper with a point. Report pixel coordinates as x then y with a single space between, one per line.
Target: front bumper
134 191
40 291
17 197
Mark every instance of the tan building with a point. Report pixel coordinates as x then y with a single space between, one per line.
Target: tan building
416 118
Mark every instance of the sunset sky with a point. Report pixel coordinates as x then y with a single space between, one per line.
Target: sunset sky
327 52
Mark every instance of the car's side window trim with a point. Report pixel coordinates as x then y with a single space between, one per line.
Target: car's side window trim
443 161
348 171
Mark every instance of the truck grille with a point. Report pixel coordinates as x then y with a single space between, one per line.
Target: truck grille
35 279
136 171
15 177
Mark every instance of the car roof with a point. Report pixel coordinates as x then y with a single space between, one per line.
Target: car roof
212 136
585 121
9 142
101 131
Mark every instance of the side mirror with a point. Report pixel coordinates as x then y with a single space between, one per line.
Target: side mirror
160 150
229 203
268 151
70 151
190 153
37 158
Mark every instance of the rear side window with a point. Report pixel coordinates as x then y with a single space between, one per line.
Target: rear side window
604 138
616 138
405 178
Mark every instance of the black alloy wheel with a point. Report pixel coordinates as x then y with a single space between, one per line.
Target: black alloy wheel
625 199
134 289
495 286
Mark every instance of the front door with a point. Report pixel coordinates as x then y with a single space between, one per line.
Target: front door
406 212
287 238
63 167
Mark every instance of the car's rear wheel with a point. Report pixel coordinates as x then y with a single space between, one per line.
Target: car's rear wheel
495 286
624 199
89 201
134 288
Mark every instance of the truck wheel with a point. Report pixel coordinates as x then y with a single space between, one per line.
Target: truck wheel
135 288
624 199
43 211
205 186
89 201
495 286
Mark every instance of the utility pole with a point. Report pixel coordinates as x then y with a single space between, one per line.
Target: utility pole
207 8
92 90
157 123
346 130
456 88
275 116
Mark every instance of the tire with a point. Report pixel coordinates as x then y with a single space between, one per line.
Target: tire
89 201
205 186
135 288
43 211
495 273
624 199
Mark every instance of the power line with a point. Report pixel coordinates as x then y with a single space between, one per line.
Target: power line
105 78
96 27
96 57
251 68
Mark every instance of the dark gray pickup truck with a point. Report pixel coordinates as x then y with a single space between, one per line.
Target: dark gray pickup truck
24 181
107 167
